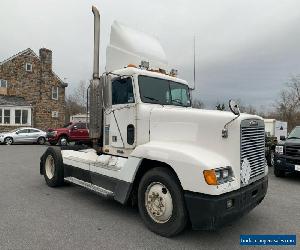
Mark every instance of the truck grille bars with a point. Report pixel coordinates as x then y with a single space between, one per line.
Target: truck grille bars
252 149
292 150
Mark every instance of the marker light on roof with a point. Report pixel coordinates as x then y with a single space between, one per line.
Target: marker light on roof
174 72
144 65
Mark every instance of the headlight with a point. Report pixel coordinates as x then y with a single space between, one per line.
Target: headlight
279 150
218 176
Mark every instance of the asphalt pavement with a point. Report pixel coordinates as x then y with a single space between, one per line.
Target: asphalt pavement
35 216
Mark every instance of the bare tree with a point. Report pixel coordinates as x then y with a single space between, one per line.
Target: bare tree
287 107
198 104
76 101
220 106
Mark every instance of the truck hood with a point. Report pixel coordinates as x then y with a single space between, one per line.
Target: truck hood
200 128
58 129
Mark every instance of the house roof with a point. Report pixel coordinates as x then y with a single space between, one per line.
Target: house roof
30 52
12 101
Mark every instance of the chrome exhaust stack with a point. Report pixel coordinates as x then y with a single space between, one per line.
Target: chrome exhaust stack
96 88
96 42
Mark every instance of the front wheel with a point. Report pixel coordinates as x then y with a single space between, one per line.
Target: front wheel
52 165
8 141
63 141
161 202
278 172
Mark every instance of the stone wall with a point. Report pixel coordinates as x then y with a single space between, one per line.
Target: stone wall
36 87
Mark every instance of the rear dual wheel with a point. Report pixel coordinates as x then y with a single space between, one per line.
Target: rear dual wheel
161 202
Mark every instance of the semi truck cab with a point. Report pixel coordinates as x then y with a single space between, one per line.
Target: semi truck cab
152 149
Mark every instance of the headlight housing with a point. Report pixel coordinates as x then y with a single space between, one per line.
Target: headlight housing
279 150
218 176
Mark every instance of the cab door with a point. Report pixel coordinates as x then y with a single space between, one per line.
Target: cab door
120 119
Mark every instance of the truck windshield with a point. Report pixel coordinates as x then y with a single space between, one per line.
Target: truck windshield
165 92
295 134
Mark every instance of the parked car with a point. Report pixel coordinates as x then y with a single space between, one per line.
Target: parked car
287 154
23 135
75 132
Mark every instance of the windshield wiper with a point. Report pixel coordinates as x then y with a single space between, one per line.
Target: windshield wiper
177 101
151 98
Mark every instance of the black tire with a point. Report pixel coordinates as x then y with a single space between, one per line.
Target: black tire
41 140
62 139
53 143
55 177
178 219
8 140
278 172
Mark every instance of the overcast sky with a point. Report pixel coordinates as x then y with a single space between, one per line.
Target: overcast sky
245 49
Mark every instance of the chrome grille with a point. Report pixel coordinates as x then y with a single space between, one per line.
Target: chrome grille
253 147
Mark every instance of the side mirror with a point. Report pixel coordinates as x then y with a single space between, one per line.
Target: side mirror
17 132
234 107
282 138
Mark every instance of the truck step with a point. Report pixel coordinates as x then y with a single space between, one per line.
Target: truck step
101 191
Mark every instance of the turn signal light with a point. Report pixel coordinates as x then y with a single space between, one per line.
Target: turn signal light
210 177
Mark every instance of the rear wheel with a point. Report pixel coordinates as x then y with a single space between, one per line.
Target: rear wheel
8 141
41 140
52 165
161 202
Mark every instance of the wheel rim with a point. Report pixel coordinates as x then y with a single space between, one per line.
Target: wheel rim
8 141
41 141
50 167
63 141
158 202
272 158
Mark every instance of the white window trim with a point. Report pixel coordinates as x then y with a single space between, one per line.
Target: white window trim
28 64
12 115
2 80
53 88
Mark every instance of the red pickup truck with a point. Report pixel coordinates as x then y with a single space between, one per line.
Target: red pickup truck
74 132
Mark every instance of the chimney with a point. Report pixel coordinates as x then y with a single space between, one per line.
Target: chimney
46 58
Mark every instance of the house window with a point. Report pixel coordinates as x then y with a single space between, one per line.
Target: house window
18 116
0 116
3 83
28 67
24 117
55 93
6 116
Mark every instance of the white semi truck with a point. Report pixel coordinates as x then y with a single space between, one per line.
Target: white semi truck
151 149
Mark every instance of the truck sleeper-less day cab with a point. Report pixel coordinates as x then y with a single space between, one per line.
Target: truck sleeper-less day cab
178 164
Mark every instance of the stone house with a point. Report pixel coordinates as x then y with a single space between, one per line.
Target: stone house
31 94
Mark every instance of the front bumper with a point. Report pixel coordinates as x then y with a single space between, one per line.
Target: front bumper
209 212
286 164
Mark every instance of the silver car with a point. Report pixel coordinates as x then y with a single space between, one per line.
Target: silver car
23 135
